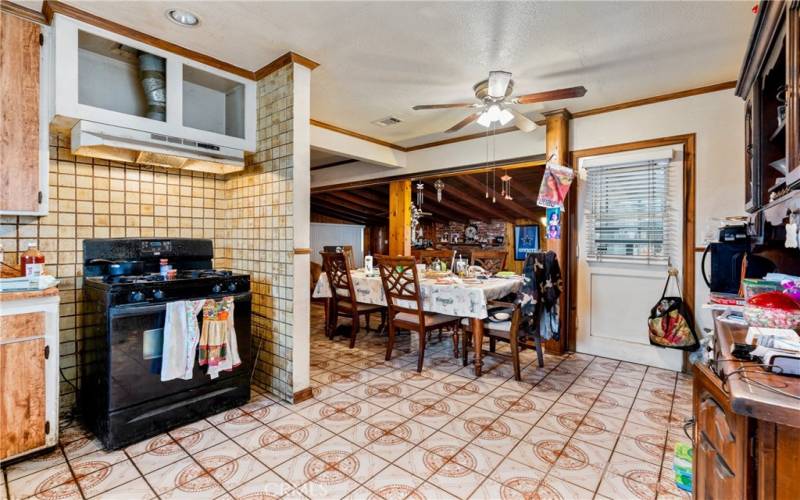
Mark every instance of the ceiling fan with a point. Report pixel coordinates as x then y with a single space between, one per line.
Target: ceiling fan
494 95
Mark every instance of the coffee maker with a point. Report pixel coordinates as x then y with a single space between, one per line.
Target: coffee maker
727 256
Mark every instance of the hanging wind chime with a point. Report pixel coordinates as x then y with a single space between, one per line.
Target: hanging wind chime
420 194
506 186
439 186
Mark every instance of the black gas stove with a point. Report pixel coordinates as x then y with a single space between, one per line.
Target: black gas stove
122 396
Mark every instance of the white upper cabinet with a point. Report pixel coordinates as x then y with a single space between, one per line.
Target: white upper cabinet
108 78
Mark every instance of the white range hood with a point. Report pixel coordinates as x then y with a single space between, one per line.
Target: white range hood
122 144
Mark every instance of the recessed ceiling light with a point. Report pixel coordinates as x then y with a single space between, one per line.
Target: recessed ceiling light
182 17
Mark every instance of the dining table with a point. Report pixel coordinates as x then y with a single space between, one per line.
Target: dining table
464 298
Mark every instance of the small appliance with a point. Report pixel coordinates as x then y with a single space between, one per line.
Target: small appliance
727 256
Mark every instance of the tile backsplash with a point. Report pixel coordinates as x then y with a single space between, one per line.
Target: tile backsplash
91 198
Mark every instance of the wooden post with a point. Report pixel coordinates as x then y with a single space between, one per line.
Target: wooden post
557 146
400 218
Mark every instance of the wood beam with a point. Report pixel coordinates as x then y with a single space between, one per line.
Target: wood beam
519 211
345 206
357 201
477 209
400 218
557 151
338 211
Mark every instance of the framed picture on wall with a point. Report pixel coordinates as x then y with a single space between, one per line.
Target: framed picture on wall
526 240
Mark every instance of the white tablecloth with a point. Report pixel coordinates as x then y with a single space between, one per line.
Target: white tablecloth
462 300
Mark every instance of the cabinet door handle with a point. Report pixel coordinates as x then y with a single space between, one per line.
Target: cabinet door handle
722 469
705 443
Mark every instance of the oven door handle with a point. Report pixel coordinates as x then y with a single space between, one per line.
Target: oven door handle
139 309
136 310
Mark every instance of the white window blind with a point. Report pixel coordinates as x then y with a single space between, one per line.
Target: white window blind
628 214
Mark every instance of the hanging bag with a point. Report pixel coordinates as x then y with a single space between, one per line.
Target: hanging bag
670 323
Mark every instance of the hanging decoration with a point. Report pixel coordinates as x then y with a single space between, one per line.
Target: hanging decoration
439 186
506 186
555 183
420 194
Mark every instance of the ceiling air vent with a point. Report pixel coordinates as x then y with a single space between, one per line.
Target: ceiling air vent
388 121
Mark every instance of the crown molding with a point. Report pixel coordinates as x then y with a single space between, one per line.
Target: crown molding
284 60
659 98
22 11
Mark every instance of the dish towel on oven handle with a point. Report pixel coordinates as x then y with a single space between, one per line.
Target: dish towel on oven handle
218 348
181 336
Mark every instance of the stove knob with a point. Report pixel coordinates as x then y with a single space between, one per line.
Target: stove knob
216 288
158 294
231 287
136 296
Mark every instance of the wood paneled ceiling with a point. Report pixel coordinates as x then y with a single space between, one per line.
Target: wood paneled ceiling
464 198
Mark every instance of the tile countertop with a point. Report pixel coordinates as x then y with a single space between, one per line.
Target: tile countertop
28 294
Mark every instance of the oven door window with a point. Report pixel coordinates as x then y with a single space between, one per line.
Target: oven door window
136 339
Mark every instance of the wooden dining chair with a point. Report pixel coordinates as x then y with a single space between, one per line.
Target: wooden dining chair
345 249
513 331
491 260
401 288
428 256
344 302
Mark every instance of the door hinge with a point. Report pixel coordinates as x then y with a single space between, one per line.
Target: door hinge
47 427
41 39
40 196
47 352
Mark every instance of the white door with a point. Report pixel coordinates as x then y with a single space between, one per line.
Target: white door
630 228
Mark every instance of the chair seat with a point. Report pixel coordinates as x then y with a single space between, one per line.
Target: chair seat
431 319
346 306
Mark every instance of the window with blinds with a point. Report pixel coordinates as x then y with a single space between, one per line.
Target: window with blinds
628 214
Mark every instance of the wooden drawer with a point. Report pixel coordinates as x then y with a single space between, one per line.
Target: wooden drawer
19 326
721 441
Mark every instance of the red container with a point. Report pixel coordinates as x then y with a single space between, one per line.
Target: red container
31 261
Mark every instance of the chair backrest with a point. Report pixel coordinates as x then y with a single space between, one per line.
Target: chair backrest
491 260
337 268
428 256
345 249
400 283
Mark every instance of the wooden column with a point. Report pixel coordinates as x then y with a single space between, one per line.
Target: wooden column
557 142
400 218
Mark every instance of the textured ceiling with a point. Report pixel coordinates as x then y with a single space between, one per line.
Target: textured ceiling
380 58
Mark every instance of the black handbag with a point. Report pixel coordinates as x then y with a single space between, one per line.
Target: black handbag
671 323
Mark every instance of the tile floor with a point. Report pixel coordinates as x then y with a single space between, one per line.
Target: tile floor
582 427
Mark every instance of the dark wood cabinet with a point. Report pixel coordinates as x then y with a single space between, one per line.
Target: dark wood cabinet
768 82
746 438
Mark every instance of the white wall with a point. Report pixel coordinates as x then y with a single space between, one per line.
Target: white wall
301 211
507 146
717 119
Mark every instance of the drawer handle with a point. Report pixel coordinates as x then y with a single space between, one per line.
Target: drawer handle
719 416
722 469
705 443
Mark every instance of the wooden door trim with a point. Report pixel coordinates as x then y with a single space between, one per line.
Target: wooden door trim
688 141
22 11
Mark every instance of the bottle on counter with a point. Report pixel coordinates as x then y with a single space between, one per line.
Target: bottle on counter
31 262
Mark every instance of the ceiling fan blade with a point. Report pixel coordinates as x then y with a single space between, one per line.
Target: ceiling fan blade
498 83
446 106
550 95
463 123
522 122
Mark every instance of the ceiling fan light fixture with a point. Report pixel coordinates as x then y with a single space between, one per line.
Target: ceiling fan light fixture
484 120
493 113
505 117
